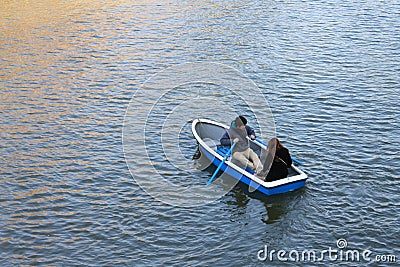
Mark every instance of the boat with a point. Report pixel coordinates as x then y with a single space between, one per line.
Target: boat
208 133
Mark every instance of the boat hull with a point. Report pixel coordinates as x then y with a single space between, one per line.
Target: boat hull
278 189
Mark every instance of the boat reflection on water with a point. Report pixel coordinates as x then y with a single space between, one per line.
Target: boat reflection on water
276 206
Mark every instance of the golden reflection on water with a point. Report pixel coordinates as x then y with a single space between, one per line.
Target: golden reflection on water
24 16
37 34
46 48
40 36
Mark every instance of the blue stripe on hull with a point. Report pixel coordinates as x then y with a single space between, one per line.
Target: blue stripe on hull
239 176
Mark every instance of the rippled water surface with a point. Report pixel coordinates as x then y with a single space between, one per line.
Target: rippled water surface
69 69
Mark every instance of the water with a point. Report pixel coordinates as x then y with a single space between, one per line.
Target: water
329 70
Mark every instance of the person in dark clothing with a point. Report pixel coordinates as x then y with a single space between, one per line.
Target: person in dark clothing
242 154
226 140
277 162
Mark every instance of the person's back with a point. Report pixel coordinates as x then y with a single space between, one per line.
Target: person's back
281 161
279 169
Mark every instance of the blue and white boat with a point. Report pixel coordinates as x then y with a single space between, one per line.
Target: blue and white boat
208 134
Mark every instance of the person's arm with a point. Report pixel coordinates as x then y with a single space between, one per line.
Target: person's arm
250 132
225 140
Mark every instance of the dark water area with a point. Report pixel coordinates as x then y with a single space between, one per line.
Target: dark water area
69 71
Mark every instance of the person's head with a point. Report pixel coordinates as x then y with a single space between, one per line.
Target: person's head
243 119
275 142
240 122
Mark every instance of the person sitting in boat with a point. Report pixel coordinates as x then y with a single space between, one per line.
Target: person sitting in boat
226 140
277 162
242 153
